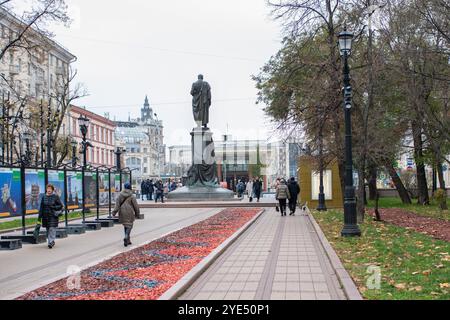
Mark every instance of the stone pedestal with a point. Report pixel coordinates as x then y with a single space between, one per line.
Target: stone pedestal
202 183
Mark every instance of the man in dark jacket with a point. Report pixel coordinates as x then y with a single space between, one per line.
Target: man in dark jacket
144 190
257 188
159 190
151 189
294 190
50 204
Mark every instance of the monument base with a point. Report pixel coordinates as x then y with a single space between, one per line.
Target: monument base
196 194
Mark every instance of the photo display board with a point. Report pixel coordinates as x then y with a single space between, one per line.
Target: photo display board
90 189
103 188
74 190
34 190
10 204
56 178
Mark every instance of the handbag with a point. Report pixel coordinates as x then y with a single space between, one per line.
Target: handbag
37 231
58 213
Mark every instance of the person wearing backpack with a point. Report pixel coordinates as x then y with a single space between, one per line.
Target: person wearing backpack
128 209
49 213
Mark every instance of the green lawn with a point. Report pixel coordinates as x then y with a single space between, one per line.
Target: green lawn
30 222
427 211
413 266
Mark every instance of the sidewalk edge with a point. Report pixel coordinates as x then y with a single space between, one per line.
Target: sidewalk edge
349 287
188 279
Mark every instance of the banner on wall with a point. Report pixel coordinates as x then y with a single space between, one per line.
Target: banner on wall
90 189
56 178
34 190
10 204
74 190
103 186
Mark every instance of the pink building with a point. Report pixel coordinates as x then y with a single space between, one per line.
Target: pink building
100 135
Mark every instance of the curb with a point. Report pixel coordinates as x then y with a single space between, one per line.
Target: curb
188 279
349 287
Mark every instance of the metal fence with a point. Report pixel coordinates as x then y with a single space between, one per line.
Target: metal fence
22 189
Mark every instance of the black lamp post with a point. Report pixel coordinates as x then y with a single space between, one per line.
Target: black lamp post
351 228
74 144
27 156
84 126
322 204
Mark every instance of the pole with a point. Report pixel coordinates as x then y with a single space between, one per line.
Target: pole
66 216
351 228
322 204
83 169
49 138
24 201
98 195
110 193
42 133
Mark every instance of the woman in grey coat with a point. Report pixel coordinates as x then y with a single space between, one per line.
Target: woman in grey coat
282 196
128 209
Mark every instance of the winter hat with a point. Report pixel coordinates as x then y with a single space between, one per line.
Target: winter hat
127 186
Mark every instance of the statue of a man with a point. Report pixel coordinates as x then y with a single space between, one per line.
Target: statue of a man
201 92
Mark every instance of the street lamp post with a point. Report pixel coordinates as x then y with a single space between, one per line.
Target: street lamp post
27 137
322 205
84 126
351 228
74 144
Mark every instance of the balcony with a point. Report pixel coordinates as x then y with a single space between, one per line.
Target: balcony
14 70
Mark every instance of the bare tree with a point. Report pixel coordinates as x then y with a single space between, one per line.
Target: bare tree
30 30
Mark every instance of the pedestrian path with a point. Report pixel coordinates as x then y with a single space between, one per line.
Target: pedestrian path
278 258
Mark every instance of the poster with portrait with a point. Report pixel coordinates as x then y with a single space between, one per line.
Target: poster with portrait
103 188
115 189
34 190
56 178
74 190
10 204
90 189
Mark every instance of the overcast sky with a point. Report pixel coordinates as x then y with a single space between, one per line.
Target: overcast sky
127 49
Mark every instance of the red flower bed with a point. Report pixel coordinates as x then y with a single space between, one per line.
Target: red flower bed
147 272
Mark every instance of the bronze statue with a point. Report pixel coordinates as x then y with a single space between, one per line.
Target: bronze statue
201 93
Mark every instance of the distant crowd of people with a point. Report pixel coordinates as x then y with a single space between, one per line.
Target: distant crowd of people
156 190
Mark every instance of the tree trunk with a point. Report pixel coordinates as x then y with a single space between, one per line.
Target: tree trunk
373 183
403 193
360 206
440 172
422 184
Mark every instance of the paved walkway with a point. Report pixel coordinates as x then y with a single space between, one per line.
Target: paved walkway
34 266
278 258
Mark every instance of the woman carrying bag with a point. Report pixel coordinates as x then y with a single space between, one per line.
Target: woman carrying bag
128 209
49 213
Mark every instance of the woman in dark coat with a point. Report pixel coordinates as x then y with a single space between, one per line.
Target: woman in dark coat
257 188
294 190
50 204
128 209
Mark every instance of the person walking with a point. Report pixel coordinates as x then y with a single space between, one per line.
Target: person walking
143 189
159 190
151 189
240 189
294 190
250 190
257 188
282 196
275 186
49 213
128 209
